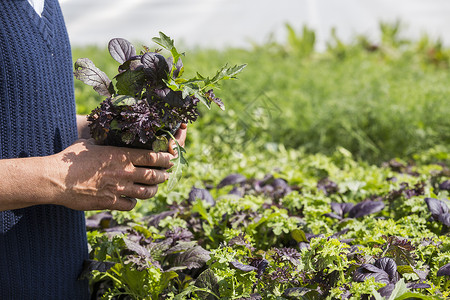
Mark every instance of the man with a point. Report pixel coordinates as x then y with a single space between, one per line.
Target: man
49 176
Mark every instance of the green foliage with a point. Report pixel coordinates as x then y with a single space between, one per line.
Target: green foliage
356 123
301 45
279 247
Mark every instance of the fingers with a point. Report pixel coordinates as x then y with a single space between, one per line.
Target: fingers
143 183
124 203
149 176
180 136
139 191
126 198
145 158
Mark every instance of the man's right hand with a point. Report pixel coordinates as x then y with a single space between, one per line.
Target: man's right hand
86 176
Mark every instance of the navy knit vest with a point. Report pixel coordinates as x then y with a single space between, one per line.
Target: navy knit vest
42 248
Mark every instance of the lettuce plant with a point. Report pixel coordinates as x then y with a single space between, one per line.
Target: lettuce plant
149 98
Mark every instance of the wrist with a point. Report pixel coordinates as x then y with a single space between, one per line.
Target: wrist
26 183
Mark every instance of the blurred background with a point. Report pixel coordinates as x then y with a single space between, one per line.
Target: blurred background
367 76
239 23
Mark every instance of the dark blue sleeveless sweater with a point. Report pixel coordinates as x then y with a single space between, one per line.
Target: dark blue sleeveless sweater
42 248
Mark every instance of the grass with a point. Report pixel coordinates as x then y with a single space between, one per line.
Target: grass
378 101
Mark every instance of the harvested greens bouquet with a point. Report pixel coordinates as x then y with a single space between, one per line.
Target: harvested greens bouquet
148 99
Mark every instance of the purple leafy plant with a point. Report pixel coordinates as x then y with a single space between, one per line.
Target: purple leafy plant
148 99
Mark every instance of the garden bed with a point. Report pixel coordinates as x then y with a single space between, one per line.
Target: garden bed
324 227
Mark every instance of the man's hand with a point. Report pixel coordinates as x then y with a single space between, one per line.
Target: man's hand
86 176
96 177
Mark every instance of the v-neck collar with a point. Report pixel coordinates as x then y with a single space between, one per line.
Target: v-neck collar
44 22
38 5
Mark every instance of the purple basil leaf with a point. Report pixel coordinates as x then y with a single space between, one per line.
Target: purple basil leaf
354 249
87 72
261 265
133 63
422 274
159 248
389 266
444 271
337 208
174 99
90 265
445 219
239 241
333 216
117 229
304 245
179 234
281 188
400 249
135 247
310 236
436 207
242 267
121 49
367 271
154 220
258 185
237 191
341 208
155 66
387 290
231 180
346 241
346 207
181 247
414 286
178 66
445 185
268 189
268 178
327 186
135 236
195 257
279 183
201 194
365 208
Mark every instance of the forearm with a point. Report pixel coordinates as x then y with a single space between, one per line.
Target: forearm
24 183
83 128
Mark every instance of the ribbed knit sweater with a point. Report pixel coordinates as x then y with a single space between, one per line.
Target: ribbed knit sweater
42 248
